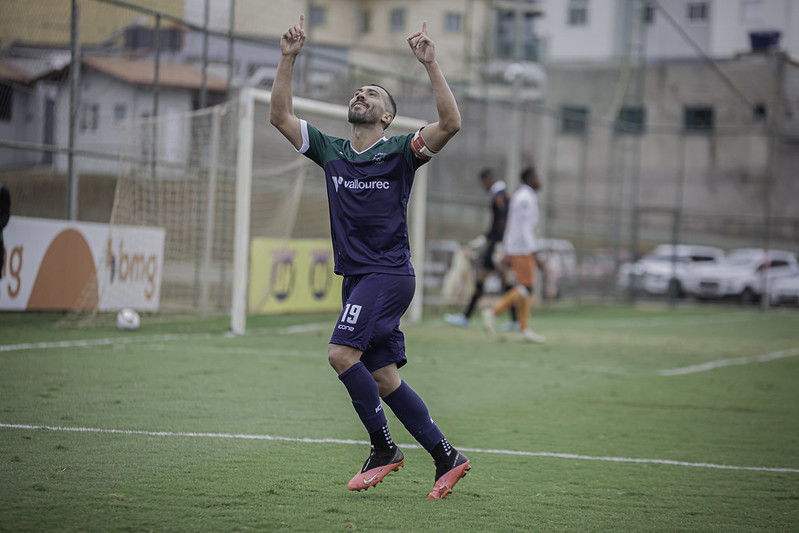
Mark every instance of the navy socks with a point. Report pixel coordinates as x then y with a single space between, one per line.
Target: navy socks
412 412
409 408
365 397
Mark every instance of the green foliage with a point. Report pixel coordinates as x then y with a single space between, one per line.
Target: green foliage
594 390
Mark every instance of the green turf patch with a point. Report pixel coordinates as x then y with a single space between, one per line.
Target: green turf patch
184 390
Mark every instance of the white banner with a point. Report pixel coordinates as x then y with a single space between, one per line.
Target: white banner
63 265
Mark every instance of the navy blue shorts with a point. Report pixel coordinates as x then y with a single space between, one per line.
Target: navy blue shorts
373 306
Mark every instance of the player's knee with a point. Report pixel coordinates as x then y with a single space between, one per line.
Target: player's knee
342 357
387 379
523 291
334 356
530 289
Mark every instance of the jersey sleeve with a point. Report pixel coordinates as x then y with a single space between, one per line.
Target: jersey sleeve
314 143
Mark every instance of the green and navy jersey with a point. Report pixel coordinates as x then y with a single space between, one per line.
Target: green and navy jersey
368 198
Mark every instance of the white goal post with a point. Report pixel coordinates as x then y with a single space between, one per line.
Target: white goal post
248 99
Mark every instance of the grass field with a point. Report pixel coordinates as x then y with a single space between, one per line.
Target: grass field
610 426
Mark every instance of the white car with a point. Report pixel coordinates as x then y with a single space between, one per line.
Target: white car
662 271
741 274
784 291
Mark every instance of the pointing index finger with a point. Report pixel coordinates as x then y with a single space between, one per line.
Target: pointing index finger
302 20
424 27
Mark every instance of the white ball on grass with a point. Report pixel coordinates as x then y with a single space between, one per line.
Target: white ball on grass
128 320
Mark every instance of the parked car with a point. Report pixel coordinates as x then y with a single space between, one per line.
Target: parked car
784 291
661 272
741 274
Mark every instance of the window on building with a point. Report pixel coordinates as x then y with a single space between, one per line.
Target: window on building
578 12
506 36
120 113
573 119
648 14
397 20
698 119
6 102
317 16
252 68
89 117
631 120
365 21
453 22
698 11
140 37
752 10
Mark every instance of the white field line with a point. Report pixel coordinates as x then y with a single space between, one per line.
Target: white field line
657 322
359 442
719 363
299 328
289 330
98 342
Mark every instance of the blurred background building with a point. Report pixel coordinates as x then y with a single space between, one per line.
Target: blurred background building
650 121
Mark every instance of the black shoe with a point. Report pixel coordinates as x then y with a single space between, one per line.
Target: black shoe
448 473
376 467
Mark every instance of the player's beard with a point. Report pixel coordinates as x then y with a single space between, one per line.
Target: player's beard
365 116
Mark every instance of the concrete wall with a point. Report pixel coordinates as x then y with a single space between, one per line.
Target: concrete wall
16 128
593 41
725 173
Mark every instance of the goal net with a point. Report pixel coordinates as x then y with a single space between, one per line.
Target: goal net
176 172
244 215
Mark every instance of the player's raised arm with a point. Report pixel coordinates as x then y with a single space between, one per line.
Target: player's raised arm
281 110
437 134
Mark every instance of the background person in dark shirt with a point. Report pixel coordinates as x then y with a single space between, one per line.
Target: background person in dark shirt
488 242
5 213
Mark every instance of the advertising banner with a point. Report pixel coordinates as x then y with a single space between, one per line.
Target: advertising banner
60 265
293 275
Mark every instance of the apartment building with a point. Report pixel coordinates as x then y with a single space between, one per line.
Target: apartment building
600 30
472 33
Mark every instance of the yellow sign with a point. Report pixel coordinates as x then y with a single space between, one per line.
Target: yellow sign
289 276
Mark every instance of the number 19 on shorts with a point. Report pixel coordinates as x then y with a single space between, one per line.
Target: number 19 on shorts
349 316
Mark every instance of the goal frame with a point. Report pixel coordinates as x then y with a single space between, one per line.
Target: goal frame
248 98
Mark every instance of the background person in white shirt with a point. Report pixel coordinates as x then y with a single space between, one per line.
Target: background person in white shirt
520 247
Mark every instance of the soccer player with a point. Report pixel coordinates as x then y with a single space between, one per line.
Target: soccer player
489 241
369 180
520 247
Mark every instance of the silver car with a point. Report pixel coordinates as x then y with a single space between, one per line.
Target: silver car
742 274
784 291
661 272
